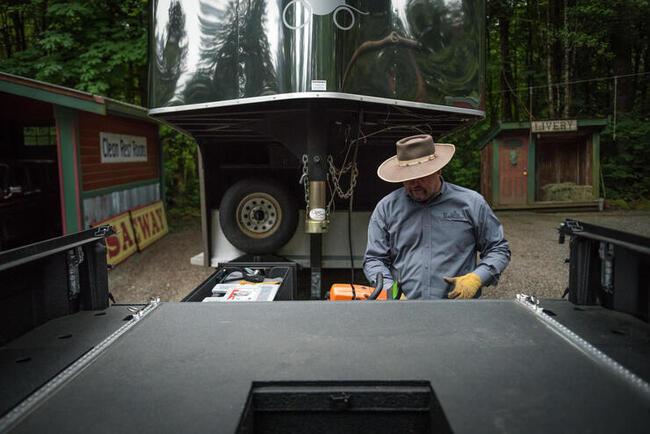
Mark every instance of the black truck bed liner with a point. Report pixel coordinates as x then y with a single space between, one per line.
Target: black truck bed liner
493 365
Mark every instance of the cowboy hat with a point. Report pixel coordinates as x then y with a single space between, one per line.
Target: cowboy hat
417 156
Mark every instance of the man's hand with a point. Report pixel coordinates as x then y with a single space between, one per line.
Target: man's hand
464 286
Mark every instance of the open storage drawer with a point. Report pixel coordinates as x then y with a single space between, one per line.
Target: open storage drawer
285 270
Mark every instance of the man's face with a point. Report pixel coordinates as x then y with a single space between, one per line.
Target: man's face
423 189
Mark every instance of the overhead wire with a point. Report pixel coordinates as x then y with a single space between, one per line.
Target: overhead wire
564 83
394 127
505 78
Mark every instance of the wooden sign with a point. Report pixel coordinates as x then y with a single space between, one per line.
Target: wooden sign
556 126
121 148
123 244
149 222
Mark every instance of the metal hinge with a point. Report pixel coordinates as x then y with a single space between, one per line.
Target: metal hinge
104 231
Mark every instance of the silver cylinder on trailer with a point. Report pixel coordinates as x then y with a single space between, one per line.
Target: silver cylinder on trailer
316 219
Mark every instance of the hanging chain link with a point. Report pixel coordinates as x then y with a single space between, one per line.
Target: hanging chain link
335 176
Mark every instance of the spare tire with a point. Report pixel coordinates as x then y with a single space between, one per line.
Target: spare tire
258 216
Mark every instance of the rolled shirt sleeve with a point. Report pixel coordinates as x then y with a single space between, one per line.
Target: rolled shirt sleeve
377 258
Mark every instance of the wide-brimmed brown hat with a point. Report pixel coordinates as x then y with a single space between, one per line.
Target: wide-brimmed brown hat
417 156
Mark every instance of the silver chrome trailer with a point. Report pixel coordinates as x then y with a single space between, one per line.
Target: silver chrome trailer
286 97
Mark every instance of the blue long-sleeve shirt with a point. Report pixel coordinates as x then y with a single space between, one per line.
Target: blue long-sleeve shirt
419 243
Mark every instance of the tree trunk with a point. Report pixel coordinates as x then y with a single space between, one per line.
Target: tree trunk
6 36
43 17
19 30
489 87
549 62
636 67
529 50
513 82
623 66
506 71
643 87
566 65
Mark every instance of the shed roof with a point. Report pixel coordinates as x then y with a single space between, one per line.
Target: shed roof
512 126
67 97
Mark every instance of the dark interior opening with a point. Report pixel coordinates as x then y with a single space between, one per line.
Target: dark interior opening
343 407
30 206
564 159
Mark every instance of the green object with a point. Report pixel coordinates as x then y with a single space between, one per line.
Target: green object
68 124
56 98
395 290
530 193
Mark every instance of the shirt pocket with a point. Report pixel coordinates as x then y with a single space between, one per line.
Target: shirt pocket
459 231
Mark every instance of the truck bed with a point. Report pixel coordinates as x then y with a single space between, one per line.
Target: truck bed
493 365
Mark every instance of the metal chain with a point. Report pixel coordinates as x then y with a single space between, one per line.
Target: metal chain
335 175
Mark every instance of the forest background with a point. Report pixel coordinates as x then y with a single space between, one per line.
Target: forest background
552 59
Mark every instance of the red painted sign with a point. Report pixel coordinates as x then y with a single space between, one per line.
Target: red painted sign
149 222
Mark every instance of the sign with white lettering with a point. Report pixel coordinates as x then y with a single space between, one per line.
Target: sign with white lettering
122 244
120 148
149 222
556 126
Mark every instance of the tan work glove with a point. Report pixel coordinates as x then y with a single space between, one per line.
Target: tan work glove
464 286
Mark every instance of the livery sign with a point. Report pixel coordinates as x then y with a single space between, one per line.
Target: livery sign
149 223
123 244
557 126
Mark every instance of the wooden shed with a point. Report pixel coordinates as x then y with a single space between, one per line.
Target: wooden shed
549 164
69 159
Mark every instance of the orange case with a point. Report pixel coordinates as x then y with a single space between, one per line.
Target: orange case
343 291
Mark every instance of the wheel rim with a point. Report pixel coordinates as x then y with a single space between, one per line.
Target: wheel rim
259 215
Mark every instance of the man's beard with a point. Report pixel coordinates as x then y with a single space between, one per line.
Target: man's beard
421 194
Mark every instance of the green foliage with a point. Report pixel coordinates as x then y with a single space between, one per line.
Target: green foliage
181 172
99 46
182 217
465 168
641 204
626 160
618 204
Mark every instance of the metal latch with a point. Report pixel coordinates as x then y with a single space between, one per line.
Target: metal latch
340 401
104 231
530 301
75 257
138 313
569 227
606 253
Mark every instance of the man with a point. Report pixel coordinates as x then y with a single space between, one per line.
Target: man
426 234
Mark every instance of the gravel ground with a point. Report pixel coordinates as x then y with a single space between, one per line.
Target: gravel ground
537 266
163 269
